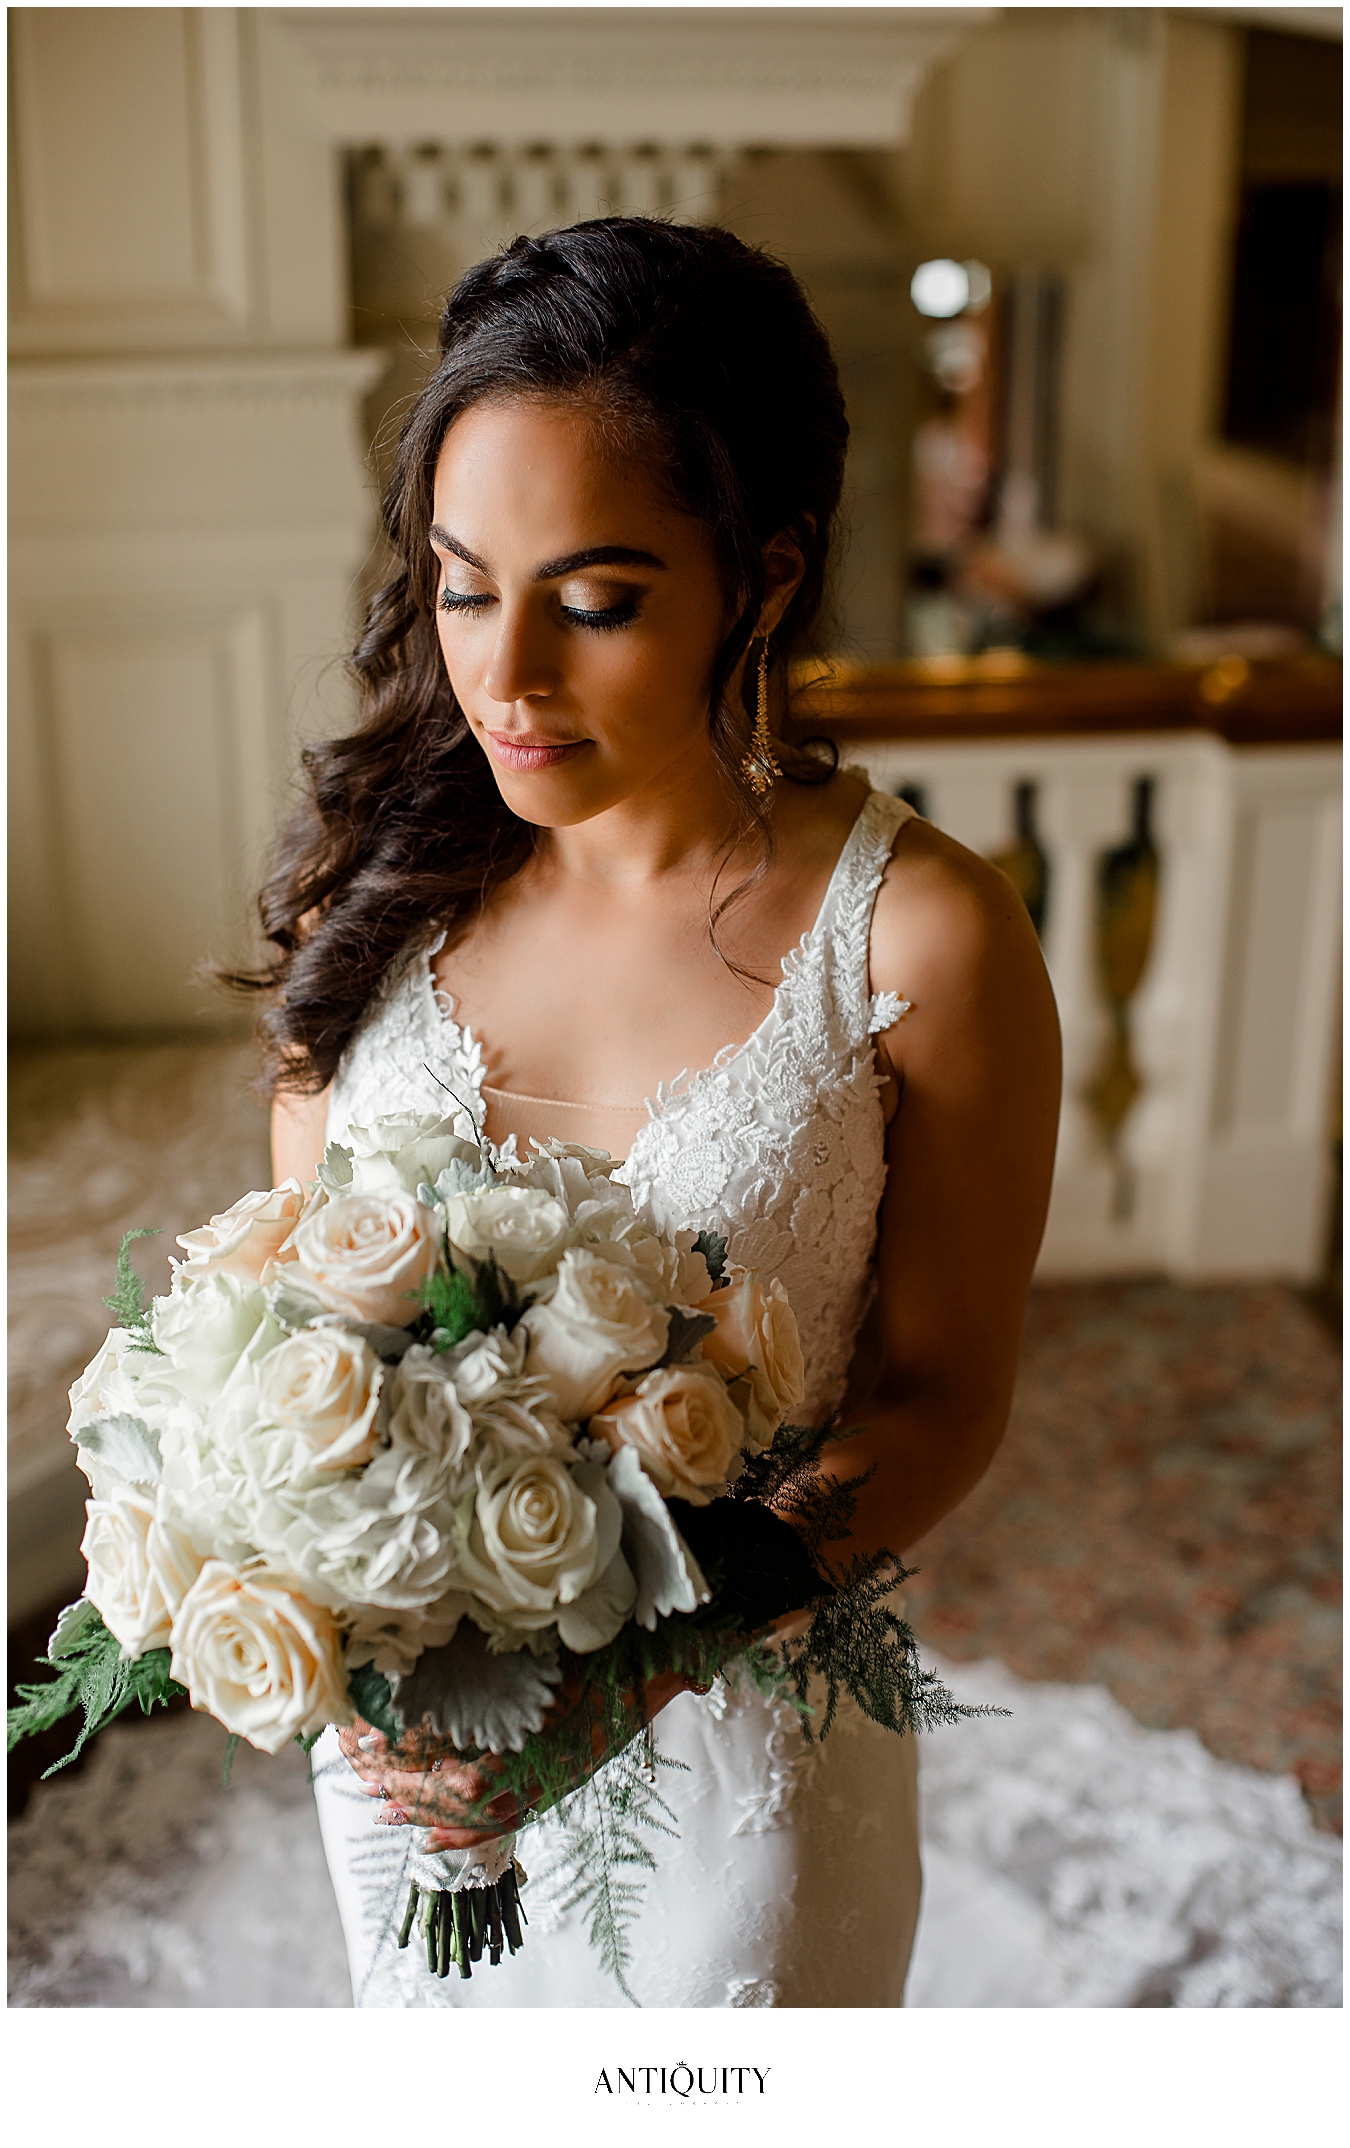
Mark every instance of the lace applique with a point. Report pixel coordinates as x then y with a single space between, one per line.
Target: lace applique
887 1009
790 1761
780 1142
752 1991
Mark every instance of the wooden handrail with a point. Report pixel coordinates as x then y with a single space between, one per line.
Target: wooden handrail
1286 701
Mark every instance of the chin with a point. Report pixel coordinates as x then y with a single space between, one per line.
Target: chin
554 799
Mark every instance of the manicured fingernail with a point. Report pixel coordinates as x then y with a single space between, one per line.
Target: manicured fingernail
370 1741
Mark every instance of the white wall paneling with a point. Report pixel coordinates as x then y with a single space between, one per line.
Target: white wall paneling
132 210
154 730
1232 1024
188 533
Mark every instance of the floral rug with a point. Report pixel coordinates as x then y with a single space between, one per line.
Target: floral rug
1162 1520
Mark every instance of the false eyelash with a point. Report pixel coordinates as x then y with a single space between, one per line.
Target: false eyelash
618 615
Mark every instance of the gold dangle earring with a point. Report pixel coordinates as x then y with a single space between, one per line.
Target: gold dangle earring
759 766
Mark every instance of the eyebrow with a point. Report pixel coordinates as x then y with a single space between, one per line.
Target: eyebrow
552 570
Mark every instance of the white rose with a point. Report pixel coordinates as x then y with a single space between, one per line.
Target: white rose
324 1385
258 1656
522 1229
581 1180
139 1566
393 1640
674 1272
513 1424
685 1430
425 1409
512 1413
368 1254
406 1149
243 1240
204 1328
756 1345
385 1537
108 1386
593 1163
532 1538
204 1484
484 1361
599 1323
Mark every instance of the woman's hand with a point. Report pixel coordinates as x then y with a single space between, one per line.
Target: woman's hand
452 1797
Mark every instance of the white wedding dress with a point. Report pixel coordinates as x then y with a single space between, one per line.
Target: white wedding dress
795 1877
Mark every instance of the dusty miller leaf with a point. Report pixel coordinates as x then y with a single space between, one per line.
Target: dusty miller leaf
74 1620
668 1575
687 1331
125 1447
476 1699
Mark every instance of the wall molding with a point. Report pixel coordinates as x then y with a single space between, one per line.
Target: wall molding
252 377
811 76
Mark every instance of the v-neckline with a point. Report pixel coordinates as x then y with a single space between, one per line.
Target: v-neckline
668 1094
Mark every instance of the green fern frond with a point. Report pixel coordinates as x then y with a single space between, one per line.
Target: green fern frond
93 1676
127 1301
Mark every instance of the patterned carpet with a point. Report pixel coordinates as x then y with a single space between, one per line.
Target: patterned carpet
1162 1520
103 1138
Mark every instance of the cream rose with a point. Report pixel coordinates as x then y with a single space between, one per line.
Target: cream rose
684 1428
324 1385
109 1386
258 1656
599 1323
426 1411
368 1254
523 1230
242 1240
756 1345
204 1327
532 1539
139 1567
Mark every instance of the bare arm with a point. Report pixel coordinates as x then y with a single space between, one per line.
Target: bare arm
970 1153
298 1124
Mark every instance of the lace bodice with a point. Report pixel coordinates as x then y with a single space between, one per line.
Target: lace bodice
779 1143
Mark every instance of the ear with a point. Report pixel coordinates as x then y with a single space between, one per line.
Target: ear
784 566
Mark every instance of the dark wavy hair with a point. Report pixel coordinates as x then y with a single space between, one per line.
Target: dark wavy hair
701 355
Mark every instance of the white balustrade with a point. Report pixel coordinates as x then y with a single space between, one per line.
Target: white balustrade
1227 1145
480 198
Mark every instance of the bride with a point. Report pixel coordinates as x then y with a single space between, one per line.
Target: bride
571 870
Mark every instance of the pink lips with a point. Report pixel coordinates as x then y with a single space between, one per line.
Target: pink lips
527 751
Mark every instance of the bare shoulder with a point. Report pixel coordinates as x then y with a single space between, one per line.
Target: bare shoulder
952 936
812 822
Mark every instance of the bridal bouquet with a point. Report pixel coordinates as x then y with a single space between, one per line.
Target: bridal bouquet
449 1443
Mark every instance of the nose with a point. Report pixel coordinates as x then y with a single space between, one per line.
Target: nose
518 669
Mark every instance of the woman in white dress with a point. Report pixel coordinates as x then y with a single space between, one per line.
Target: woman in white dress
566 865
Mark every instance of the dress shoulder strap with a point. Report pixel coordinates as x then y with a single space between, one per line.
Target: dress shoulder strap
845 921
